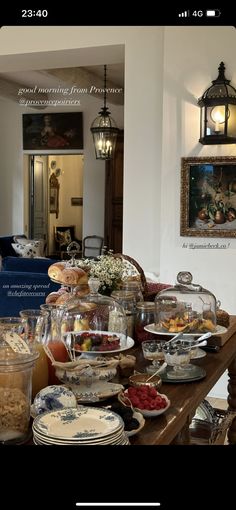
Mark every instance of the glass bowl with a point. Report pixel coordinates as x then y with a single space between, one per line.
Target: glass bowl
178 357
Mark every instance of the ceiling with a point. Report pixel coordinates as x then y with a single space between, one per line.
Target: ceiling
80 76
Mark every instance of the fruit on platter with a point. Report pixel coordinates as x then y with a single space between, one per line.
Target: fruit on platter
90 341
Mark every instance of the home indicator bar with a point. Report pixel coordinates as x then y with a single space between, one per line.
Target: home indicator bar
118 504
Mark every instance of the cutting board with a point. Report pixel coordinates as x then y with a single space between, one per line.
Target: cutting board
222 339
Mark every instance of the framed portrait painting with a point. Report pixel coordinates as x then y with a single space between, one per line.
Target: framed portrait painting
52 131
208 197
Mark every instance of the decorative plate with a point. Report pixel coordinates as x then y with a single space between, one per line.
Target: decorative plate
83 423
97 391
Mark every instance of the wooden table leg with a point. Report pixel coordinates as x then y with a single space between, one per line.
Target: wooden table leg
232 400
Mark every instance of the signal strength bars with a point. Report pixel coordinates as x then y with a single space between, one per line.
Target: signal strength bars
183 14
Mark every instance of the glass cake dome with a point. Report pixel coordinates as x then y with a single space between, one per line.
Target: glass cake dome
96 323
186 307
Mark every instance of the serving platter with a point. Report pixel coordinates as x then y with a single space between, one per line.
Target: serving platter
152 328
126 342
196 374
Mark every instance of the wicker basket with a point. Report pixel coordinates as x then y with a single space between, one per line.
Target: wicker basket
149 290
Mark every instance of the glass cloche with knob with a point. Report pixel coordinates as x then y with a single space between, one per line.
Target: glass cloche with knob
96 324
187 307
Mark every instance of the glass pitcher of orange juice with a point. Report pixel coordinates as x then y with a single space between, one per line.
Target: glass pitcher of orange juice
53 338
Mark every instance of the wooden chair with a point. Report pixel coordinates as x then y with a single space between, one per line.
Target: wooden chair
92 246
149 289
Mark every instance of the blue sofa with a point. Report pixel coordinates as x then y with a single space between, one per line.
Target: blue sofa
23 290
24 282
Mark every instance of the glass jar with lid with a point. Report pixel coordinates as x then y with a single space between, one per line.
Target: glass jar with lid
145 314
17 359
132 286
127 300
186 307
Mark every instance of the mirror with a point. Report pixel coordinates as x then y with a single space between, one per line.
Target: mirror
54 195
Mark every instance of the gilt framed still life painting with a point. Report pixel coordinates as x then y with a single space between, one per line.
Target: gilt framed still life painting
208 197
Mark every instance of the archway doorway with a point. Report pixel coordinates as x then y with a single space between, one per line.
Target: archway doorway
41 217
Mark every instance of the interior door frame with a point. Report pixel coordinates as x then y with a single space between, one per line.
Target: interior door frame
32 158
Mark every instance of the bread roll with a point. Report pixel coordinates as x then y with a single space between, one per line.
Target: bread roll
55 271
54 296
82 290
74 276
63 298
51 298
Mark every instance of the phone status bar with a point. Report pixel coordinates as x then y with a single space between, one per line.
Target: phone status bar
149 17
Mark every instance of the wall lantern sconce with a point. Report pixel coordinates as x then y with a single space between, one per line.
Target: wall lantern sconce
104 129
218 111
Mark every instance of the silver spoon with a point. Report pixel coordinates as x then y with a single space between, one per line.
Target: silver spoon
163 366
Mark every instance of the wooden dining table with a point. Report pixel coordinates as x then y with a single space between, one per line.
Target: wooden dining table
172 427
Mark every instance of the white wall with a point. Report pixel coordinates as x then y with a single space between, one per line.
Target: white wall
192 56
11 170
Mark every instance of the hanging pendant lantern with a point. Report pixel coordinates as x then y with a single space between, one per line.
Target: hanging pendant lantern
104 130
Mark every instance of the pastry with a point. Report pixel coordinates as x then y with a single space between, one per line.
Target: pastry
63 298
51 298
222 318
74 276
82 290
55 271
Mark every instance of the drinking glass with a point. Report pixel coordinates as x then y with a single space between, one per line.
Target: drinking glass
152 350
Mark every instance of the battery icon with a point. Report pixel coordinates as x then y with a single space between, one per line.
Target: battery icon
213 13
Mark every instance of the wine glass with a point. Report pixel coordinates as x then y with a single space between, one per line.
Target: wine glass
178 357
152 350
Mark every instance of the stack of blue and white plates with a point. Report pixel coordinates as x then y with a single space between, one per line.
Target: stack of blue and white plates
79 426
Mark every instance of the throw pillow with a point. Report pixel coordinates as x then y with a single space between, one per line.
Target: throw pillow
29 250
23 241
64 236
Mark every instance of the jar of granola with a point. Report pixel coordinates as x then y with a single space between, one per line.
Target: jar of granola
16 364
145 315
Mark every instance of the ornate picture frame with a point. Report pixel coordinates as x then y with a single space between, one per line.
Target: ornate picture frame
208 197
54 187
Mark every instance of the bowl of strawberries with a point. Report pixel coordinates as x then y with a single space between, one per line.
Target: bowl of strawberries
146 400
